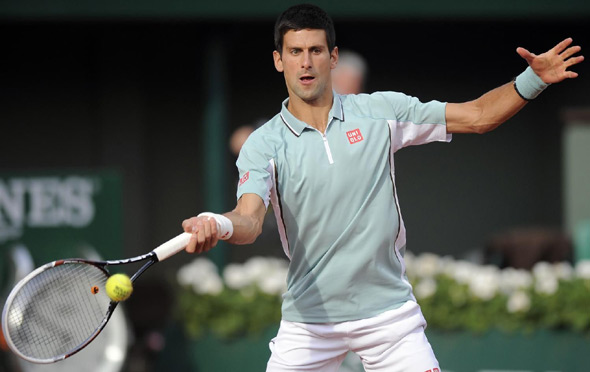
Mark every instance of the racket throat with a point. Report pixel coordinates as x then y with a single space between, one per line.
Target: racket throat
145 266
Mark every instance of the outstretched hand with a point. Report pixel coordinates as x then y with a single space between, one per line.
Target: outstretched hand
552 66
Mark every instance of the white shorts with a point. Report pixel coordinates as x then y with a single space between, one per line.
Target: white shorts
393 341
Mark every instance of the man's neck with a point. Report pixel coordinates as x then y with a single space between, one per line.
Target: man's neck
313 113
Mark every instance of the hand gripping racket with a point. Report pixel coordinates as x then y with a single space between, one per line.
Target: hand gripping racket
60 307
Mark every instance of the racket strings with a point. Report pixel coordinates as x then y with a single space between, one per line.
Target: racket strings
58 310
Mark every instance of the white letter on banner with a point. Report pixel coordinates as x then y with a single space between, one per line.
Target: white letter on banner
12 203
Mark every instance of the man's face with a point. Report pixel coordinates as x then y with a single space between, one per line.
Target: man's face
306 62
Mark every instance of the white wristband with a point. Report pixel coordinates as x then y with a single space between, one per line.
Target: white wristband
225 228
529 85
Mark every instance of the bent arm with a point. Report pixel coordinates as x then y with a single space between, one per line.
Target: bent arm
485 113
246 218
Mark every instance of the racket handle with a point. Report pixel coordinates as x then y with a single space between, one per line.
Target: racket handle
172 246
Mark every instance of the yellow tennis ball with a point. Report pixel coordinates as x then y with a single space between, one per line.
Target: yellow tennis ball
119 287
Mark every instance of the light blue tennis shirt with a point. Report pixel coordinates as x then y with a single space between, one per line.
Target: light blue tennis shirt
335 201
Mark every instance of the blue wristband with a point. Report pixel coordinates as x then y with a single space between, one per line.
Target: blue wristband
529 85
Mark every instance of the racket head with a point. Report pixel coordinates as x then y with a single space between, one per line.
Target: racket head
57 310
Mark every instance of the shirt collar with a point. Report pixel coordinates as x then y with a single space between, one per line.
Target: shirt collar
297 126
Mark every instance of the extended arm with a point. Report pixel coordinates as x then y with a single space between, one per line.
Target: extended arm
246 218
498 105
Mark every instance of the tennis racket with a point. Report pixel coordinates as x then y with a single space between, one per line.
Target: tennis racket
60 308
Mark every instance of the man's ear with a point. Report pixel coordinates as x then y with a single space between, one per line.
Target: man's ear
278 61
334 58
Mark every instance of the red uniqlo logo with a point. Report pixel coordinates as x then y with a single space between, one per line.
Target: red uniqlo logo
354 136
244 178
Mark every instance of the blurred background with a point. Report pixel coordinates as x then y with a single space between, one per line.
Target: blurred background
116 121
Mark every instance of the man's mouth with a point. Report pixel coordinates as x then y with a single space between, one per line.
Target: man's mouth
306 79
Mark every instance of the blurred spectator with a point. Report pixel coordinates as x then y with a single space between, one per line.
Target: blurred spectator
350 74
238 137
522 248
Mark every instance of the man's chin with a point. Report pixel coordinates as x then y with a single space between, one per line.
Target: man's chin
309 96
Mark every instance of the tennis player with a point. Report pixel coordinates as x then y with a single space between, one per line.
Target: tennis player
325 162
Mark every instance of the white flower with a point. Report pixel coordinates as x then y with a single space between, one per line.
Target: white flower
485 282
462 271
425 288
546 281
195 270
547 284
446 264
255 268
583 269
518 301
563 270
234 276
268 274
201 274
184 276
542 269
209 285
426 265
274 283
512 279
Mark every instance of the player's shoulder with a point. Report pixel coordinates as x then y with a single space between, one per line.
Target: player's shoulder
375 98
271 127
381 104
266 136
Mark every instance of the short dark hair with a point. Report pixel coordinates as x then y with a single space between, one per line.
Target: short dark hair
301 17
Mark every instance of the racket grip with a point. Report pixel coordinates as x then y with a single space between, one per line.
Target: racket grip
172 246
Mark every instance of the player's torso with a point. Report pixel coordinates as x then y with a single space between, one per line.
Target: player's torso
337 199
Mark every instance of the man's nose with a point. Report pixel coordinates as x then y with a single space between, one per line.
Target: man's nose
306 60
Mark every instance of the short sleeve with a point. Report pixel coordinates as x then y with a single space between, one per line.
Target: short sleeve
255 168
417 123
